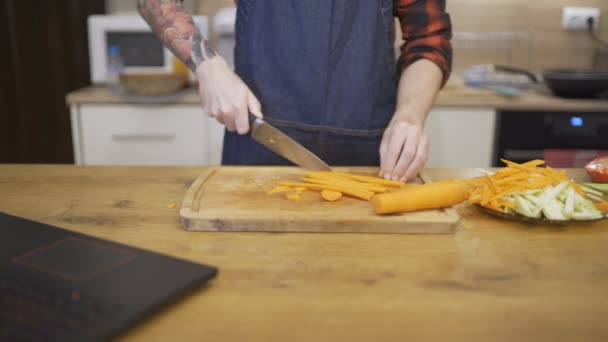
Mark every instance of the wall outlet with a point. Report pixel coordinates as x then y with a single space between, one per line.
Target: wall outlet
575 18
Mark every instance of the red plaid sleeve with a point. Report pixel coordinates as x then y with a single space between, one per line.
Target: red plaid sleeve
427 31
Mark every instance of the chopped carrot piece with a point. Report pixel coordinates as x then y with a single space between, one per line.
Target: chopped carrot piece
331 196
293 197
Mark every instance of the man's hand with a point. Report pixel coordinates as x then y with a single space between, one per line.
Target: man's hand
404 150
405 147
225 96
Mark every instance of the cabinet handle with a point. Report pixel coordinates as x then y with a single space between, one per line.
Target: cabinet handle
143 137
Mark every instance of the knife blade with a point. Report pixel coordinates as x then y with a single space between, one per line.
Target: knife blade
279 142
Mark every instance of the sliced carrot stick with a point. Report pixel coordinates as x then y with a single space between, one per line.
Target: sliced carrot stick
475 198
486 195
369 179
329 176
578 189
505 203
531 163
427 196
602 206
512 178
365 195
278 189
333 177
519 166
359 186
492 183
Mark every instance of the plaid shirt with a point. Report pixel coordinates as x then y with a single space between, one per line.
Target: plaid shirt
427 31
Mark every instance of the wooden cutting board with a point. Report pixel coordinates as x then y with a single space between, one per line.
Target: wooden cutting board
236 199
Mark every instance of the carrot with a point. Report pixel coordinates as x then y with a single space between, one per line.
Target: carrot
428 196
331 196
602 206
365 195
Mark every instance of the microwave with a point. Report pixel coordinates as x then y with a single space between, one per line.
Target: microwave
141 50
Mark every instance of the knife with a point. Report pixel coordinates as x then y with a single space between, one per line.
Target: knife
282 144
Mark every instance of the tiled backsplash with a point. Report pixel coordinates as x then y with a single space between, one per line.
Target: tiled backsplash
541 42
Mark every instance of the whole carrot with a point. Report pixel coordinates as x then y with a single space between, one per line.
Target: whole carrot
427 196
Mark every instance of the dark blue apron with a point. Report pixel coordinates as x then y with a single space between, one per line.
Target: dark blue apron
324 72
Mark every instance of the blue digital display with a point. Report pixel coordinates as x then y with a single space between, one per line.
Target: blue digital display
576 121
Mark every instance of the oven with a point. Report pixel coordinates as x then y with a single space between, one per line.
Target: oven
562 139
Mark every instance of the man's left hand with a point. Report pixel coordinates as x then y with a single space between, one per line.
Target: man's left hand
403 151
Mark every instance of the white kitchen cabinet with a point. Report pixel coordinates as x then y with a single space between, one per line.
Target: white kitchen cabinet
124 134
182 134
460 137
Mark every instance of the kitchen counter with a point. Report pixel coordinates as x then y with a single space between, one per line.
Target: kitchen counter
491 280
453 97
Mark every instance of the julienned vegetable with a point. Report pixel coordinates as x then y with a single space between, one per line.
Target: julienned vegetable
333 185
558 202
534 191
427 196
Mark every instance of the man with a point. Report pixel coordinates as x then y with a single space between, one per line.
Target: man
323 72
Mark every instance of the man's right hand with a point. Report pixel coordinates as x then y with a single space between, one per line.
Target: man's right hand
225 96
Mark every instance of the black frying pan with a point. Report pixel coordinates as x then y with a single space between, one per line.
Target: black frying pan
576 83
570 83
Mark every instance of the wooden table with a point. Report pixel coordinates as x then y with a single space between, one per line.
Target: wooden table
491 281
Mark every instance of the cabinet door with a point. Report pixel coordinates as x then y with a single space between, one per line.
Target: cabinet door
460 137
148 135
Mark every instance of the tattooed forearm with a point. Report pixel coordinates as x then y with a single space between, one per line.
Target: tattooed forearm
176 29
201 51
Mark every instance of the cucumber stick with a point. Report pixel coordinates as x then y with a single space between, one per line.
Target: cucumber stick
560 202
